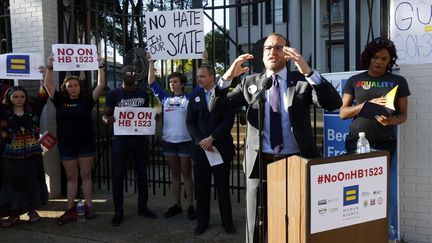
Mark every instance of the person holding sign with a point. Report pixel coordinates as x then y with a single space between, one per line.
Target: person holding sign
128 146
176 139
287 125
75 134
209 121
23 186
377 85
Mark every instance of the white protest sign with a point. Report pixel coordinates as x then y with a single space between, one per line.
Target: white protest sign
177 34
347 193
134 121
411 30
71 57
21 66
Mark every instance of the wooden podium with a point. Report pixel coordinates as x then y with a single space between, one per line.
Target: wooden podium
289 203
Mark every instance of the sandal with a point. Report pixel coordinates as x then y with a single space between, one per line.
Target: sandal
33 216
10 221
68 215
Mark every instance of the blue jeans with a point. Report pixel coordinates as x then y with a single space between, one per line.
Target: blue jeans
125 148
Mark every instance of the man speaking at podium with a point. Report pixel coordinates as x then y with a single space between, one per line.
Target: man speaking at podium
286 112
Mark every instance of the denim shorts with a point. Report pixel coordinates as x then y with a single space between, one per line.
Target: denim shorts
77 150
182 149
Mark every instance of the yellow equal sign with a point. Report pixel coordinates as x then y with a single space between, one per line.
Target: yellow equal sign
18 64
428 28
350 195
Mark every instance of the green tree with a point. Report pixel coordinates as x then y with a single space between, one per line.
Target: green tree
217 49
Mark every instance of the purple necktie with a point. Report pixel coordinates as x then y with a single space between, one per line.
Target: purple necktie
276 140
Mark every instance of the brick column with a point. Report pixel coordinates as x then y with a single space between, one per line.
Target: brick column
34 29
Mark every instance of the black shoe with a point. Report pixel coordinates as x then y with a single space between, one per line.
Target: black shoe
191 213
147 213
229 228
117 219
200 229
176 209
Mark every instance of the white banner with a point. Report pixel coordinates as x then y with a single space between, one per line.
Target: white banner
134 121
347 193
21 66
411 30
70 57
177 34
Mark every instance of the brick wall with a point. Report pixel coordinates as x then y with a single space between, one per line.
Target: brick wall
34 30
415 158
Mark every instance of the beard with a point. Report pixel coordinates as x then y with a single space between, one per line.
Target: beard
129 79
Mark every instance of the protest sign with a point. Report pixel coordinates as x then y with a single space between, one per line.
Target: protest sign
134 121
177 34
70 57
336 129
21 66
411 30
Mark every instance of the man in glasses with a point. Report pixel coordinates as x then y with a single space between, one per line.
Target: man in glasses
287 124
125 147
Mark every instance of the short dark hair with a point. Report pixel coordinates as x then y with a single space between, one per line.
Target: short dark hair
375 46
281 36
178 75
210 69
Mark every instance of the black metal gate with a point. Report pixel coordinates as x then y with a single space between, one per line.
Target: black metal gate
117 27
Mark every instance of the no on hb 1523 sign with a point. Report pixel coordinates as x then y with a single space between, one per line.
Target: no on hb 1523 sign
134 121
177 34
70 57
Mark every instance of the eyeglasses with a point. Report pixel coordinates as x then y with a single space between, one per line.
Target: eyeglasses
277 48
383 41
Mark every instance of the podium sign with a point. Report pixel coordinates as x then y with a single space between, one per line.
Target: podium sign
347 193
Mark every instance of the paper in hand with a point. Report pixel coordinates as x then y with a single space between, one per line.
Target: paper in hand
370 110
214 157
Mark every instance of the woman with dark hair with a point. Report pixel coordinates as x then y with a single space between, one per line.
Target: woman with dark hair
75 134
378 58
23 187
176 142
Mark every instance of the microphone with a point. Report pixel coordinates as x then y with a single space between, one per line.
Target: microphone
265 86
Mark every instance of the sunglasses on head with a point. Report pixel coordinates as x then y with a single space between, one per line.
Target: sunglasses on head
383 41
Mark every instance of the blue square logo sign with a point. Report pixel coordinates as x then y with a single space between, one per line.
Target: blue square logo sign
18 64
350 195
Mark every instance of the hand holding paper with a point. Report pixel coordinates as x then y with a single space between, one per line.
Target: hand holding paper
383 106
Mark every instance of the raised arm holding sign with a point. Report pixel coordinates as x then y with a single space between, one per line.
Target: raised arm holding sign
175 34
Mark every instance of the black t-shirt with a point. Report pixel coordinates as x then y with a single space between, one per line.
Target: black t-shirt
365 87
122 98
74 118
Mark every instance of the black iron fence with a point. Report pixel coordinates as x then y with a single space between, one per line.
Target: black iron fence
316 27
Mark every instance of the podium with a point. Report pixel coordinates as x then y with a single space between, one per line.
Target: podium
336 199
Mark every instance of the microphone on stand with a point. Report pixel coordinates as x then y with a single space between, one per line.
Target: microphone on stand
261 93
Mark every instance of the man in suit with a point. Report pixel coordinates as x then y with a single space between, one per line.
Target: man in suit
286 124
209 121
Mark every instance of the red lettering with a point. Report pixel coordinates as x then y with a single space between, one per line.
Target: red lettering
62 51
126 115
353 174
341 176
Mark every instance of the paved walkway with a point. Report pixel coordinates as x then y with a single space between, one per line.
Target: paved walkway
134 228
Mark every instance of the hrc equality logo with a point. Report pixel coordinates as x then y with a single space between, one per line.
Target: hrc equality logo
19 64
351 195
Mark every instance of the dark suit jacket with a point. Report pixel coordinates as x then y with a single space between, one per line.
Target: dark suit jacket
218 122
300 96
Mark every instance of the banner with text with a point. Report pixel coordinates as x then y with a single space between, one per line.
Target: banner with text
71 57
21 66
411 30
134 121
177 34
347 193
336 129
